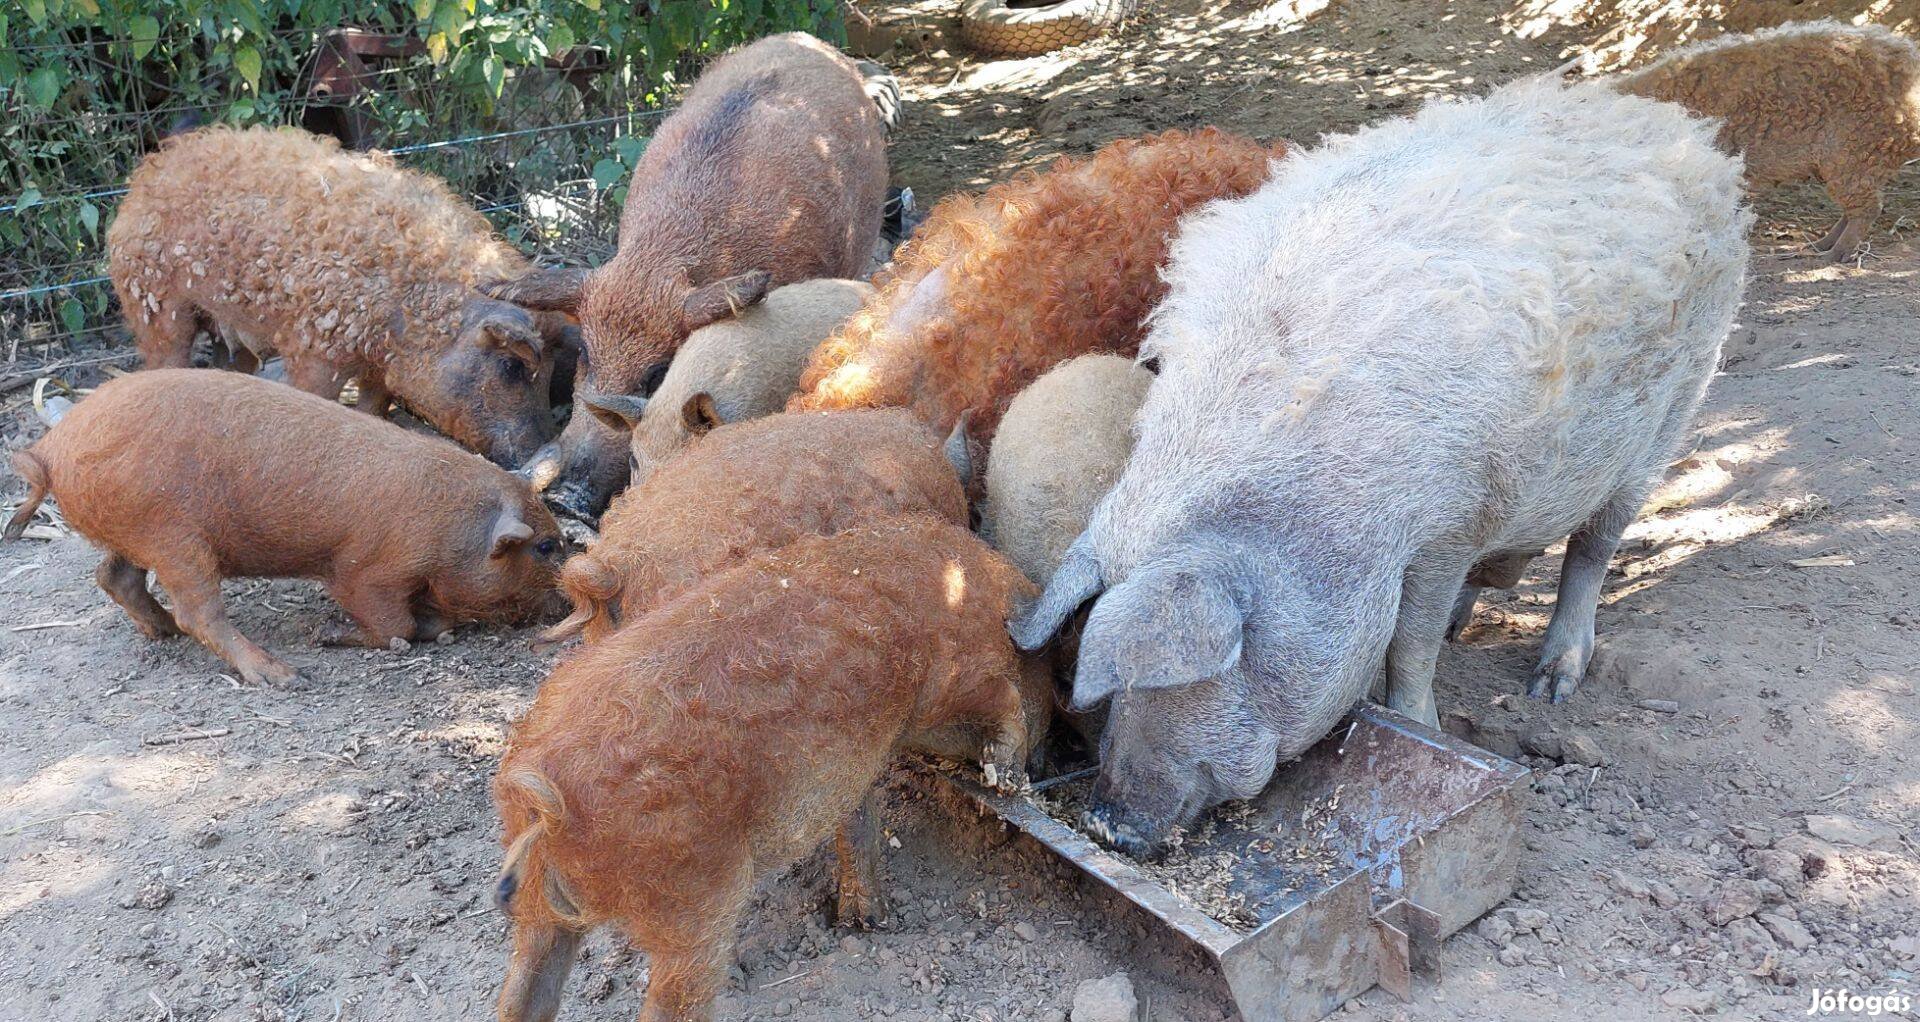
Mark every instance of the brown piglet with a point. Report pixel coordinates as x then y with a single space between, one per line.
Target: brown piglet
729 733
200 476
750 486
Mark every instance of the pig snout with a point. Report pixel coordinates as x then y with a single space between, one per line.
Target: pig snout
1126 832
515 449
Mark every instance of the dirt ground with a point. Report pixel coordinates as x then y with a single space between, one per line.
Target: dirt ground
175 846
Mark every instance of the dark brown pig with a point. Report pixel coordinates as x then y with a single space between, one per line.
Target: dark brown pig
772 170
199 476
727 734
348 266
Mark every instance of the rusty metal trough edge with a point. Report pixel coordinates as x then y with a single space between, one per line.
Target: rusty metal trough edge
1305 962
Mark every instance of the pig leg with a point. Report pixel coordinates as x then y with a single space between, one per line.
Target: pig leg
1826 244
543 955
375 399
1463 607
1569 640
315 376
1858 195
383 611
856 846
126 582
194 584
681 985
1427 598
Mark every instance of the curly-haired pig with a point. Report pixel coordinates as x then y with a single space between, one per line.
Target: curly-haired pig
752 486
348 266
772 170
1419 348
731 732
1818 100
199 476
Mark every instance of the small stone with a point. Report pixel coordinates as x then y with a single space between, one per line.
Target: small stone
1699 1002
444 638
1642 836
1780 866
1787 931
205 837
1582 750
1511 955
1632 886
1736 899
1527 920
851 944
1497 930
1542 743
1107 999
1846 830
152 896
1025 931
1751 835
398 644
1663 894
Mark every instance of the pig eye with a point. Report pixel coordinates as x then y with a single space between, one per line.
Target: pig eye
546 547
651 381
512 369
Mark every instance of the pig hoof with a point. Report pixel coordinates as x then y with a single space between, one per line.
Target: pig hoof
1559 678
336 634
273 673
858 908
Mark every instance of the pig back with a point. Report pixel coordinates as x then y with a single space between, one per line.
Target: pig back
272 480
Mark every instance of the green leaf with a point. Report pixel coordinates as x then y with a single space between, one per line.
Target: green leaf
241 112
43 86
423 9
90 8
90 217
608 172
73 315
559 39
630 147
3 28
37 10
495 71
145 32
29 198
246 60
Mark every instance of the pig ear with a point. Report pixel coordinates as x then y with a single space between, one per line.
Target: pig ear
725 298
699 415
959 452
511 332
508 532
1074 582
542 290
618 411
1162 629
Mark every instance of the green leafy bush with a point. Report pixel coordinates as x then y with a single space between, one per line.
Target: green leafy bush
88 86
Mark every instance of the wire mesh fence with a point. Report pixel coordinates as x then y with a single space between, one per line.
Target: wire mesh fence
544 164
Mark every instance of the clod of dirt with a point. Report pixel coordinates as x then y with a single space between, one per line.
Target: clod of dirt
1582 750
1107 999
1737 899
152 896
1787 930
1685 999
1845 830
1648 664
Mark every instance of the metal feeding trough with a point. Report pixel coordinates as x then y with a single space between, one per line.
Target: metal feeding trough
1361 856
